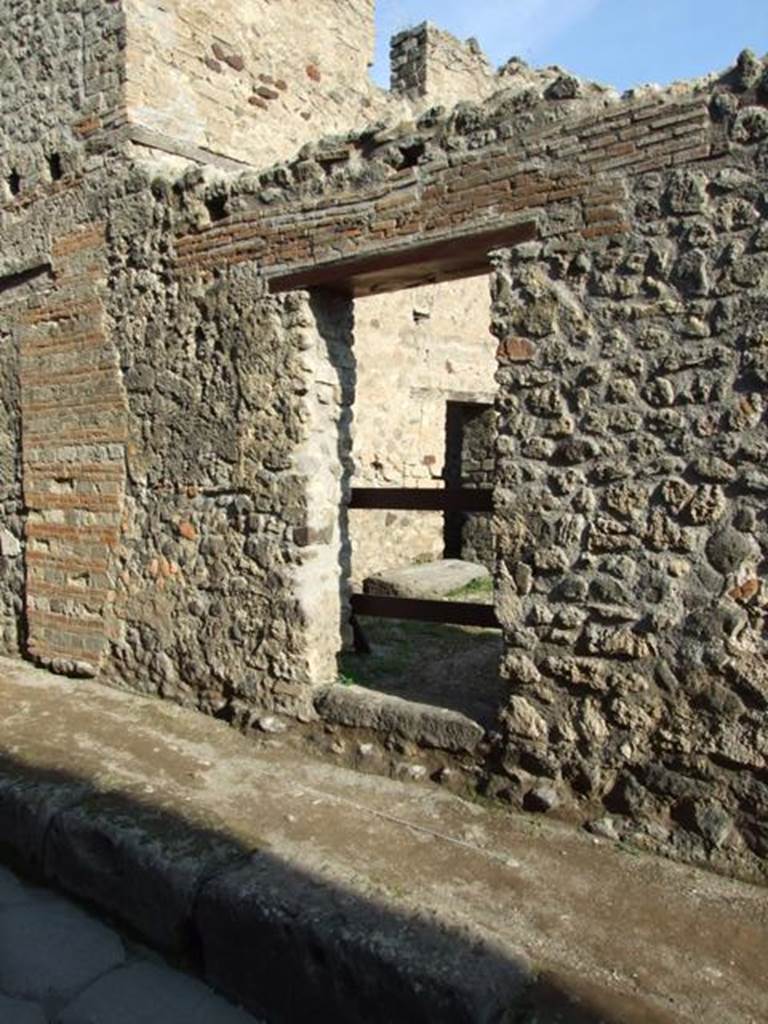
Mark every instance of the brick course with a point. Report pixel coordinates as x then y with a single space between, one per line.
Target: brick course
69 623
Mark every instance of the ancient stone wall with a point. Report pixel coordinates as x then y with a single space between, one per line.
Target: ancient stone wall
427 63
631 509
178 531
11 500
478 470
186 431
632 412
228 589
61 85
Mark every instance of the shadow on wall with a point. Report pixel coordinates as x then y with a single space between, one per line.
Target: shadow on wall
289 945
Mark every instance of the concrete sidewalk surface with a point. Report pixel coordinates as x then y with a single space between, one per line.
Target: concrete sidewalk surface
307 892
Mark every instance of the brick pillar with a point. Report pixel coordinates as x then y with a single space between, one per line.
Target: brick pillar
73 439
408 61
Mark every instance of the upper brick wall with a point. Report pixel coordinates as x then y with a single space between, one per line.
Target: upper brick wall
248 81
427 62
479 172
229 83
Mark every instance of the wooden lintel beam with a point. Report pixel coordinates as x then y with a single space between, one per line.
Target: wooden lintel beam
407 266
419 499
456 613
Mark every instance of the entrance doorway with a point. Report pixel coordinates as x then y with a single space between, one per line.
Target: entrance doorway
421 499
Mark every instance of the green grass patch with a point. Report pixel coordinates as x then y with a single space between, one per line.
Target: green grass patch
400 648
480 587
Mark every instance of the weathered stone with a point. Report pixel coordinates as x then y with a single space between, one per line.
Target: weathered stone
129 865
605 828
691 273
622 643
571 588
686 193
11 890
20 1011
10 547
566 87
751 125
278 936
748 70
420 723
729 549
519 668
271 724
541 799
524 720
708 505
426 579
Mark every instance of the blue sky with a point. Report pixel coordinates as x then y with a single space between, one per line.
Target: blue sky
618 42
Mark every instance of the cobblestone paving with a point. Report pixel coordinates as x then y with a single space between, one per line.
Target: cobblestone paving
59 965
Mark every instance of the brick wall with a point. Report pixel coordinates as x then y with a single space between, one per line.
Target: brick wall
73 439
250 82
323 209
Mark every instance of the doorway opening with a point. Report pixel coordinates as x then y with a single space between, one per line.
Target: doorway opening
421 340
421 500
470 436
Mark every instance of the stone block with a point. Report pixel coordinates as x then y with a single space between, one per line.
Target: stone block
12 891
429 726
10 547
28 805
426 579
20 1011
132 863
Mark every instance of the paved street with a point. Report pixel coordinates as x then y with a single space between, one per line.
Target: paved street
59 965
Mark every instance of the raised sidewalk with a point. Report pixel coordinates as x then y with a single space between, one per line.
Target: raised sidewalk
307 892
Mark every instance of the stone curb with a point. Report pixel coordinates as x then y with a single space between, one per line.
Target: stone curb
283 943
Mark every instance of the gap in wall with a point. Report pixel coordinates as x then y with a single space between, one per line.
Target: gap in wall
423 418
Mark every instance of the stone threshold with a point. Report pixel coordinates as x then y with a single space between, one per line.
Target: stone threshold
357 707
307 892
